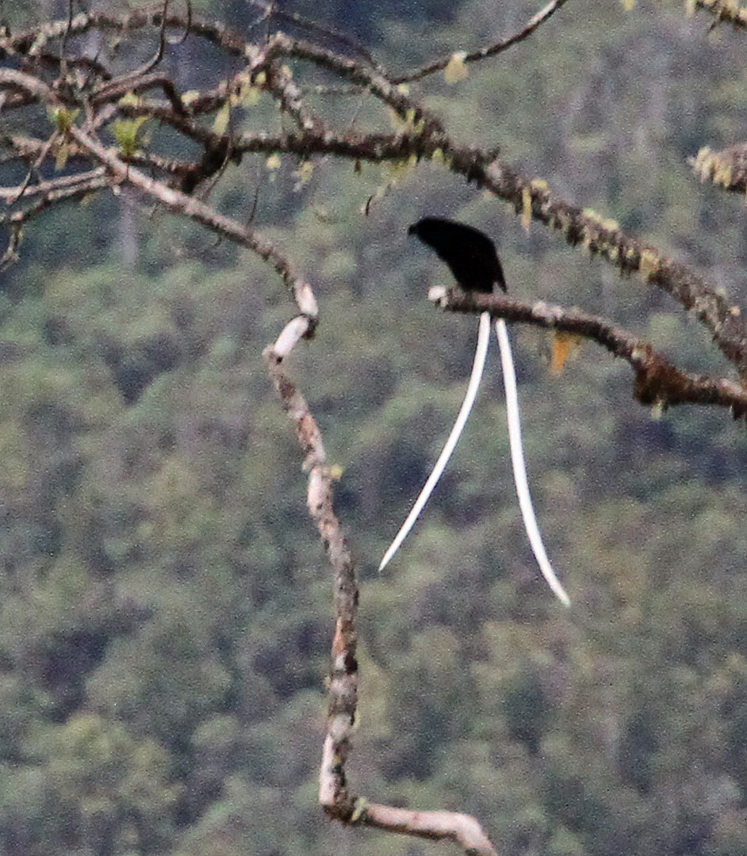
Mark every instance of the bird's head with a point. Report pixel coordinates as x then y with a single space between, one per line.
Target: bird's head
425 227
469 253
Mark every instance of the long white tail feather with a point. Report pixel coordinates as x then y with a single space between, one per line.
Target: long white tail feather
483 339
519 464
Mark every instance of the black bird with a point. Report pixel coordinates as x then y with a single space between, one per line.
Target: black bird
469 253
473 260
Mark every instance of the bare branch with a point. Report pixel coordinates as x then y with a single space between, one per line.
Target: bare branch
26 148
282 86
371 79
91 183
483 53
32 42
657 380
32 86
175 200
435 825
343 690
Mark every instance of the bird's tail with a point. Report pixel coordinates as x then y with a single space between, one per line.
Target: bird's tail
483 338
519 464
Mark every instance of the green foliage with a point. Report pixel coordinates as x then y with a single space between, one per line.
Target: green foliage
129 134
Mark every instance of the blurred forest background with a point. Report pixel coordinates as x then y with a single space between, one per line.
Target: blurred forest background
165 608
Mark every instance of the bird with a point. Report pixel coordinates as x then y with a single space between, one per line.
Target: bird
469 253
473 260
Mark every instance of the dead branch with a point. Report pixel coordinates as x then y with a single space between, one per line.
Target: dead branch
343 691
462 829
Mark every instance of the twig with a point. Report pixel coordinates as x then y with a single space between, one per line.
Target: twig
11 194
483 53
194 209
188 25
282 86
137 81
158 56
272 11
55 195
32 41
63 42
373 80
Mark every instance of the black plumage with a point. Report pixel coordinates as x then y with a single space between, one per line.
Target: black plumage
469 253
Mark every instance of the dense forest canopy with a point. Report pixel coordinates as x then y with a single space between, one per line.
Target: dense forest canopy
165 618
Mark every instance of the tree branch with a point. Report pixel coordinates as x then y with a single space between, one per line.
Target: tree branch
533 199
483 53
424 137
723 10
194 209
657 380
334 793
90 179
85 185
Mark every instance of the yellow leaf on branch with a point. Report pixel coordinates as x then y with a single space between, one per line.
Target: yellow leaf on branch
564 346
456 69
